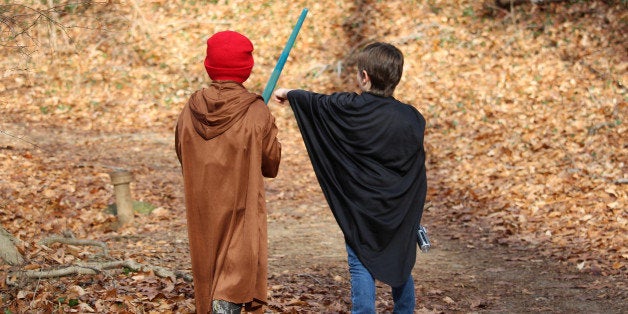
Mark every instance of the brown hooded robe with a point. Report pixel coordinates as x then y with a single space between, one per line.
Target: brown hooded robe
226 141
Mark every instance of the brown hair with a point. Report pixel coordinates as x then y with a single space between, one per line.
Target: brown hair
384 64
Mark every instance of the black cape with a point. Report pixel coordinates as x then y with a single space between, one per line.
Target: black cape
367 153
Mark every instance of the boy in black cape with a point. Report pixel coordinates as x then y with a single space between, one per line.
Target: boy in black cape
367 152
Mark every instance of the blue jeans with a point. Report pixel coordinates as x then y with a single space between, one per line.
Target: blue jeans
363 289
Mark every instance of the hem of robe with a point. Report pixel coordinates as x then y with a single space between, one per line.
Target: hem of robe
253 305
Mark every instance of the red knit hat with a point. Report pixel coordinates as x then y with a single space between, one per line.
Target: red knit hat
229 57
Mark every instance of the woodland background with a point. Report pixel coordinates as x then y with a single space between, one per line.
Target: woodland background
525 107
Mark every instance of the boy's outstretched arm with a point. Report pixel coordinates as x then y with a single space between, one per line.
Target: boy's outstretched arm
281 94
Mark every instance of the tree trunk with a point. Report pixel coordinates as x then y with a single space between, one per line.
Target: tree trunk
8 252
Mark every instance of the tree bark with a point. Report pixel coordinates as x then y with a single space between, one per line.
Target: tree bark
8 251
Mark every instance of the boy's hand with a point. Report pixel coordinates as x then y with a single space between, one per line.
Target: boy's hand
280 95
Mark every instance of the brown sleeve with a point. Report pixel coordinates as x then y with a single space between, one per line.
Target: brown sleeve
177 143
271 150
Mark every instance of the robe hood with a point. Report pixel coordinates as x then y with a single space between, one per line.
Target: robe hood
216 108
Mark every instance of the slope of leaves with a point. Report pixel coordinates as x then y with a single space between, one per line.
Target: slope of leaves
526 110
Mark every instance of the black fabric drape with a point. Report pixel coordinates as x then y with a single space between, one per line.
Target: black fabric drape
367 153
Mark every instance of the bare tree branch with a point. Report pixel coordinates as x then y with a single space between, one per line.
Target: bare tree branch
23 139
18 20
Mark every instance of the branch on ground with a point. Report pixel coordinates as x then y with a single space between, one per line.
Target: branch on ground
74 241
10 254
509 3
95 268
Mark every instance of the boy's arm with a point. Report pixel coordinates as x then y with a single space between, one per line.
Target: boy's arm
281 94
271 151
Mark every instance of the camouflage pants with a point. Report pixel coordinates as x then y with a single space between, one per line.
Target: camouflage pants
225 307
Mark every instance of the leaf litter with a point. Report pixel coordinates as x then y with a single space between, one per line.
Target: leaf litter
525 141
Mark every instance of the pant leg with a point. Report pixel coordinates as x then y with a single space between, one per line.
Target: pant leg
362 286
404 297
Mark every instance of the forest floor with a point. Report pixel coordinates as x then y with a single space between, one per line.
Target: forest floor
307 259
527 158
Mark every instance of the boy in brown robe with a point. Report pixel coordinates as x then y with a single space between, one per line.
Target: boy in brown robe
226 142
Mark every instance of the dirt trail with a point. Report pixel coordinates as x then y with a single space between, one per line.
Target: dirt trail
453 276
307 261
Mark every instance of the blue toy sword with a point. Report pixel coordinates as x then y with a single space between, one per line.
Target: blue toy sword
274 77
